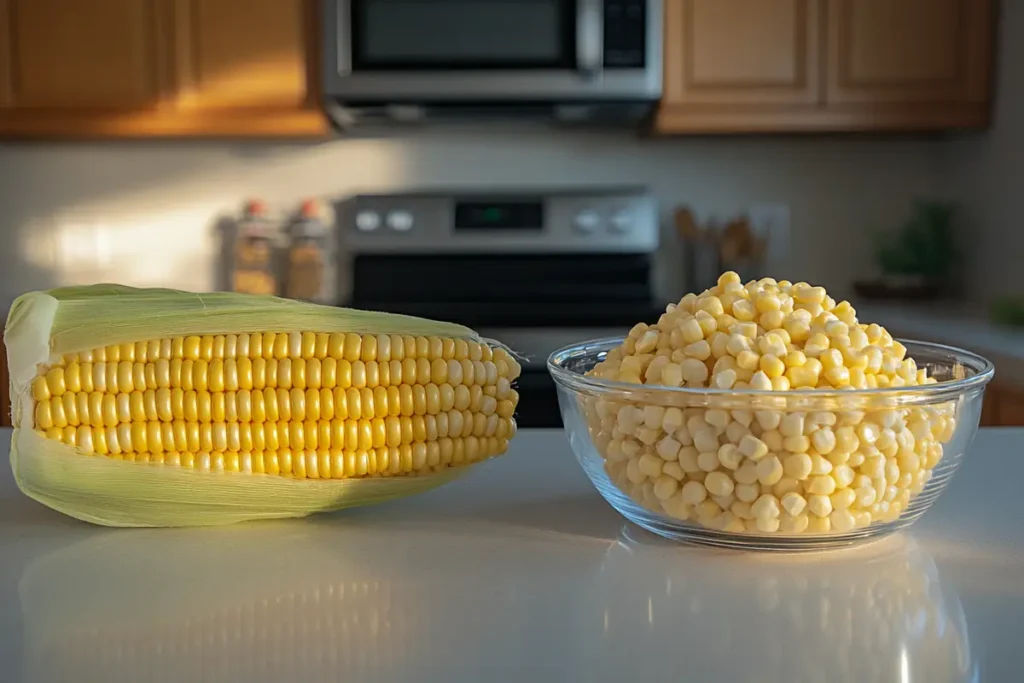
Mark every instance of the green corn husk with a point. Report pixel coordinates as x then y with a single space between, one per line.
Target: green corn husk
43 326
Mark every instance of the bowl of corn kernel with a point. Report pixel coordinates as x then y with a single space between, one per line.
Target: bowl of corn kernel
765 415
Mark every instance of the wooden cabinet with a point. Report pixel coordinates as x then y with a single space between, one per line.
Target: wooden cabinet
127 68
741 52
1004 407
825 65
70 54
908 51
261 61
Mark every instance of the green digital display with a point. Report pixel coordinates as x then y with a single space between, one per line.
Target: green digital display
525 215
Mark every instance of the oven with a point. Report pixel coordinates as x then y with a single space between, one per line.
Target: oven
531 51
536 270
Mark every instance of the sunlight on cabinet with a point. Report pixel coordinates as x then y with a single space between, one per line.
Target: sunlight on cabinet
242 53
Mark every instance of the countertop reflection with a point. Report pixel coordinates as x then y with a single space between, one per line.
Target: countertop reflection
517 572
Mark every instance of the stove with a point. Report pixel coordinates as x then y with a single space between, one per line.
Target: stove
535 269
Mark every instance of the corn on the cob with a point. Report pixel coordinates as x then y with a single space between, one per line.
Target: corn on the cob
289 390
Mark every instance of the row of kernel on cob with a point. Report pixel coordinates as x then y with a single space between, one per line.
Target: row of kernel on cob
299 403
185 381
768 470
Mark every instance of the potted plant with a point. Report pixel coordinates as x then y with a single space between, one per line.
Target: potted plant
916 261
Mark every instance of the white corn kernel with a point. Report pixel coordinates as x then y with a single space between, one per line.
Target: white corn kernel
820 465
818 525
747 493
773 439
819 505
765 506
792 424
653 415
796 444
665 487
843 475
725 379
650 465
694 493
824 440
752 447
729 456
672 420
633 472
735 432
707 461
688 456
705 440
823 485
668 448
673 470
741 509
794 503
786 485
769 470
842 520
793 524
768 419
676 507
717 418
843 499
718 484
760 381
694 372
798 466
746 473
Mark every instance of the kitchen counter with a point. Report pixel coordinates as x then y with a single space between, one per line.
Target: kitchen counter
517 572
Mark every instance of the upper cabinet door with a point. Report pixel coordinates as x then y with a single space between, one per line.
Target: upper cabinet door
244 53
724 52
909 51
70 53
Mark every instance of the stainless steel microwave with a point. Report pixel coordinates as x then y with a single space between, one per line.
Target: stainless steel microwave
480 52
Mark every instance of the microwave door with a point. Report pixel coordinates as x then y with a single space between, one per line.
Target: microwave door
412 50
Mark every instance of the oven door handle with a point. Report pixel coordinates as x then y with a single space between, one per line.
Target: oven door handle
590 37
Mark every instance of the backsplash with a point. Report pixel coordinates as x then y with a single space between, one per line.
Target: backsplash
146 214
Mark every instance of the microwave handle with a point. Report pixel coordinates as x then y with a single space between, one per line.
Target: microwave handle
590 37
343 36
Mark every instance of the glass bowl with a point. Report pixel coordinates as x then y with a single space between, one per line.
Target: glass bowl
904 444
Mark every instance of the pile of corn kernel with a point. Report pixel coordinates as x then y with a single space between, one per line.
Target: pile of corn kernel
767 470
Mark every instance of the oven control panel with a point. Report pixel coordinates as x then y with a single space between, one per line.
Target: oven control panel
521 221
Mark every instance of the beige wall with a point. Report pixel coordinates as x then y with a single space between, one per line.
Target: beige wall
985 174
143 213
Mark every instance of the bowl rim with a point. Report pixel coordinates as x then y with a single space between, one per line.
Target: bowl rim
984 371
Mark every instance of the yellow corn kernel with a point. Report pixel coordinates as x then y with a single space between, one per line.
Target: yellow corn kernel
302 404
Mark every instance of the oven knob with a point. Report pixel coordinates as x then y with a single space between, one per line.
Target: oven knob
367 221
400 221
587 221
621 222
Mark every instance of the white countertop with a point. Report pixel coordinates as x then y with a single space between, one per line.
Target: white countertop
518 572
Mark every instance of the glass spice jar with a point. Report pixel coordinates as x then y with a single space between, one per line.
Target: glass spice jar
307 266
254 269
